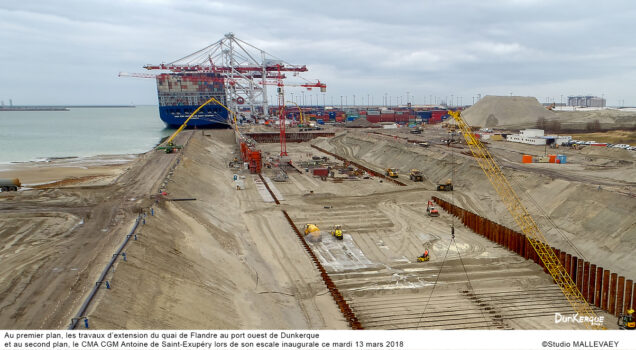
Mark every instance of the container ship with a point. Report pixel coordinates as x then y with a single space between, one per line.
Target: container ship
180 94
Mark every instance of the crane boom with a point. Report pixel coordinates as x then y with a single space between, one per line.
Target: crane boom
527 224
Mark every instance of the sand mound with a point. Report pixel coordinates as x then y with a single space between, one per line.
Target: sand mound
361 123
497 111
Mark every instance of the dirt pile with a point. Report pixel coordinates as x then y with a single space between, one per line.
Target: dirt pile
499 111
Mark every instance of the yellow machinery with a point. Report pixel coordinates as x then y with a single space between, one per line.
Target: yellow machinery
526 222
168 146
627 321
391 172
302 120
448 186
312 233
311 228
424 257
416 175
337 232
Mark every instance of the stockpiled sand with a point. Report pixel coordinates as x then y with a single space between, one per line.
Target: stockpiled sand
498 111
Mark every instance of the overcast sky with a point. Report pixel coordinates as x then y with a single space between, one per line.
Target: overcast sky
70 52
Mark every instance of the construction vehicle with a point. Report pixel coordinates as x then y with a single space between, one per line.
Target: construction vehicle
312 233
234 163
417 130
169 146
627 321
416 175
430 209
448 186
337 232
391 172
528 226
9 185
424 257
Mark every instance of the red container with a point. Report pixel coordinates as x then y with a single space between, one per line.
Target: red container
320 172
387 118
340 118
373 118
363 113
438 114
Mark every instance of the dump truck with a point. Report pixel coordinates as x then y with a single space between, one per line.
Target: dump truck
9 184
448 186
391 172
416 175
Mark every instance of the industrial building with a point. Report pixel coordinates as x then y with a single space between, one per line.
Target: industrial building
537 137
586 101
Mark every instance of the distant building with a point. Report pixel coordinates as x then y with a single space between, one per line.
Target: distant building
529 136
586 101
537 137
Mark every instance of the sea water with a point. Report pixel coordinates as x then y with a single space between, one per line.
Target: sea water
80 132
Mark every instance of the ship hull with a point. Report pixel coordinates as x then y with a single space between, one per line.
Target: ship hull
212 117
180 94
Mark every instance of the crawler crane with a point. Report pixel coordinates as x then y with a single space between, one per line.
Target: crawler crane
527 224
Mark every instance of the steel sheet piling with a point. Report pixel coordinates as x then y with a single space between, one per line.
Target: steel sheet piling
619 296
585 285
628 296
612 294
598 295
579 274
605 291
591 290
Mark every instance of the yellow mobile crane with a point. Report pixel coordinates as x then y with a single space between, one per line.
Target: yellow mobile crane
168 146
526 222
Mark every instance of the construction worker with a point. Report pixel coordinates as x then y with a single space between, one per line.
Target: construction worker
425 255
627 321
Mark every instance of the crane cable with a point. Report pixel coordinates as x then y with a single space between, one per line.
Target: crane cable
470 285
434 285
452 240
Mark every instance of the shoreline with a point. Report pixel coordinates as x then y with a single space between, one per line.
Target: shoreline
96 170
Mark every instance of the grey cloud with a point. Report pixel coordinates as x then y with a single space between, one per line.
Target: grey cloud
71 51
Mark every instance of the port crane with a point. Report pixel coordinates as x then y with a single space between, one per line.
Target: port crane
525 221
246 70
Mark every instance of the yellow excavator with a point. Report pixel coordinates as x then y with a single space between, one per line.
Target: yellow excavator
337 232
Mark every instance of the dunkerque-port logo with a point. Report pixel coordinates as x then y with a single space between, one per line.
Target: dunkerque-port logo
576 318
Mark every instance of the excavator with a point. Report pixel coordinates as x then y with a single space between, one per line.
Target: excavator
528 226
170 147
430 209
337 232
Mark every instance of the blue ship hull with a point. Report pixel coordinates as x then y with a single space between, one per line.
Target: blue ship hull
180 94
208 117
